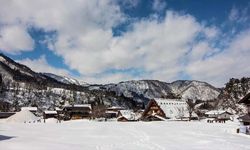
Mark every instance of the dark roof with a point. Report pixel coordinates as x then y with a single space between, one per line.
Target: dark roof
6 114
245 99
245 118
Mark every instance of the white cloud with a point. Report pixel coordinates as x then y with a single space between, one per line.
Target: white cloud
232 62
162 49
129 3
234 14
41 65
15 39
239 15
159 5
150 45
211 32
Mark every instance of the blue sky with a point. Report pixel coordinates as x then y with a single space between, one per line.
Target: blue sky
111 41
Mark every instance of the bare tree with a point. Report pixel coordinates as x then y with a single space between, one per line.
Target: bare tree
99 111
181 112
191 107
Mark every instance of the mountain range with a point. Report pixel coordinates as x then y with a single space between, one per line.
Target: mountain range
21 86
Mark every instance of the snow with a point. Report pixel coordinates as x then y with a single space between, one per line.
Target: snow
153 88
51 120
116 108
129 114
80 105
50 112
23 116
29 108
216 112
90 135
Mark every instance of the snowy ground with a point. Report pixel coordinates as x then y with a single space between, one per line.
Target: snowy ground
86 135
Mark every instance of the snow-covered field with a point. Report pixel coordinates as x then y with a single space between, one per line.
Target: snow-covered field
86 135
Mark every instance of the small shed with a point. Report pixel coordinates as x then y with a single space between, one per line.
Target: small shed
245 124
49 114
112 112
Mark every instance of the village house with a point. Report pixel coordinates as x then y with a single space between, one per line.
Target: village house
162 109
219 115
31 109
112 112
79 111
127 115
245 119
49 114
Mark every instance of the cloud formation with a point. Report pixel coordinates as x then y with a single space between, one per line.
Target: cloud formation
41 65
15 38
163 49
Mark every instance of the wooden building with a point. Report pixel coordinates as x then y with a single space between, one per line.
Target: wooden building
112 112
162 109
246 101
219 115
80 111
127 115
245 119
152 112
49 114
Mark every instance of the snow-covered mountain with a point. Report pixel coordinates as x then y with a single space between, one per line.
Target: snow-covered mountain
194 90
156 89
66 80
23 87
62 79
20 86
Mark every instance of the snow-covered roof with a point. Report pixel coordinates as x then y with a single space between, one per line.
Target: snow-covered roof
115 107
216 112
245 118
129 114
58 109
29 108
111 112
80 105
23 116
50 112
174 108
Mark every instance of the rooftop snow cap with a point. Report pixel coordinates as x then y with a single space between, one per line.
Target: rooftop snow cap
24 116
